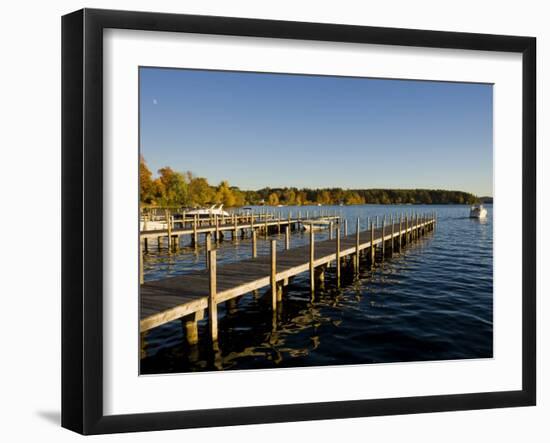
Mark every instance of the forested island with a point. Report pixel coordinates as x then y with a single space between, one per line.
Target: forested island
172 188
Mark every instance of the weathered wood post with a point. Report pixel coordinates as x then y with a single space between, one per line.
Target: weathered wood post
279 224
217 223
169 228
191 328
266 227
407 238
287 237
338 253
383 237
346 227
357 243
195 233
273 279
311 259
208 247
235 230
254 246
392 234
400 242
145 220
140 263
377 221
212 302
146 244
372 249
331 228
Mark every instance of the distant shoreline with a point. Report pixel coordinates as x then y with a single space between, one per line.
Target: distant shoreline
172 188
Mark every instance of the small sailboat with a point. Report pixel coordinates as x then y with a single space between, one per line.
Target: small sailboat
478 211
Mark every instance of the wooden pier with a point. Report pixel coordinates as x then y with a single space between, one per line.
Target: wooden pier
237 224
190 296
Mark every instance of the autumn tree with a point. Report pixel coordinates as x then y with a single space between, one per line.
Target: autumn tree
273 199
172 188
146 188
200 192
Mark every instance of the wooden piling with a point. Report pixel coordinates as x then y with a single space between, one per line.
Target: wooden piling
372 249
140 263
212 302
400 242
287 237
191 327
208 247
195 233
383 237
169 228
357 243
273 278
392 234
254 246
407 237
346 227
311 259
338 253
330 228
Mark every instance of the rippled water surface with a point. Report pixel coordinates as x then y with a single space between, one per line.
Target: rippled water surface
433 301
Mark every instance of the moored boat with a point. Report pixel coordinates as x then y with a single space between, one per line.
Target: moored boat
208 212
478 211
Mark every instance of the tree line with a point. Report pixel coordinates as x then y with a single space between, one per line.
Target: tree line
172 188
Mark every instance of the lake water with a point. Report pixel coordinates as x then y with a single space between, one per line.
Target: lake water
432 301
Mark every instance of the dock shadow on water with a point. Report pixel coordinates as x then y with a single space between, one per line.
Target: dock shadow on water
430 301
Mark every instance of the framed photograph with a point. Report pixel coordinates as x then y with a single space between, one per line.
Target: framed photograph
269 221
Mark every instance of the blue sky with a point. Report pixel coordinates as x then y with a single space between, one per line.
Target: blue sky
257 130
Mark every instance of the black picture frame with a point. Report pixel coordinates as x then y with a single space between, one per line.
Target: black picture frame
82 218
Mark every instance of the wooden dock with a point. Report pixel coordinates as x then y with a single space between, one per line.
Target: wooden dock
189 296
239 225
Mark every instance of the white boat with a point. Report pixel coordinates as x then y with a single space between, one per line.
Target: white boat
316 224
152 225
478 211
208 212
